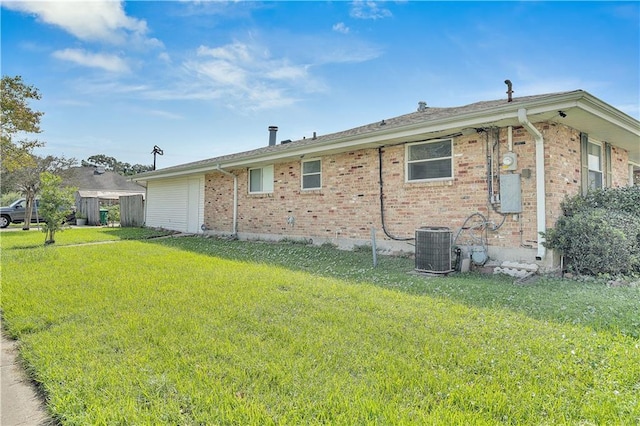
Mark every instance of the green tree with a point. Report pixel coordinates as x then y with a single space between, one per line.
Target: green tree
16 119
56 203
28 179
112 164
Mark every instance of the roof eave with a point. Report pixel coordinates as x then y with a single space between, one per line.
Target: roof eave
503 115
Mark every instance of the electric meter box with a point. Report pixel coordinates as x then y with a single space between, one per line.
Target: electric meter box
509 161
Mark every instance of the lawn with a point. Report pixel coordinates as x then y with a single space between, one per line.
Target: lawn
204 331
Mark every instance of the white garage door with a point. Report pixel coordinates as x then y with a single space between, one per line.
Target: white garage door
176 204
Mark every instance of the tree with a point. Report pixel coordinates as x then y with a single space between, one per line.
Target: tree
111 164
18 118
55 204
28 179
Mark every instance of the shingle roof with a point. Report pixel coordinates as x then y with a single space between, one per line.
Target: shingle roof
88 179
429 114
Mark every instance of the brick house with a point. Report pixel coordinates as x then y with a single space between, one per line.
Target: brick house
493 172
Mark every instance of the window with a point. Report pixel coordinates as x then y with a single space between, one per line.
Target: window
311 174
596 164
594 161
261 180
430 160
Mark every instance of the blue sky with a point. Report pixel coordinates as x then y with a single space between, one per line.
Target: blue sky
206 78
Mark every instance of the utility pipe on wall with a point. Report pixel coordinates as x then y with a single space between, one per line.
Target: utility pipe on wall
541 214
235 198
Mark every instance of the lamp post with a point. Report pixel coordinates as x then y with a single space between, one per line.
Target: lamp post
156 151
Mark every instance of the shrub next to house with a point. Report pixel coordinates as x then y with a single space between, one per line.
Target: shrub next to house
599 233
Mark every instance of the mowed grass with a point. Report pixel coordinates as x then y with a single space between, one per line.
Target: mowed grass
202 331
34 238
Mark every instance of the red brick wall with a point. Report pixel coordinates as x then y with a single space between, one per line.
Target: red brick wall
620 167
348 204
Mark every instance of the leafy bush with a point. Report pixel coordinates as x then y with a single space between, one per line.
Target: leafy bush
600 232
10 197
113 214
624 199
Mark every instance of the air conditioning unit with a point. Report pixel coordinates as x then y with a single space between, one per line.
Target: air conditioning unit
433 250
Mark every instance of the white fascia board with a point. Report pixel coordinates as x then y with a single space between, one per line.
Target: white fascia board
187 171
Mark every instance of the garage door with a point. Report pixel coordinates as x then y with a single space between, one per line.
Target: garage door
176 204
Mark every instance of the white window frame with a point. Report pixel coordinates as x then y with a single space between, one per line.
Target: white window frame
303 174
601 159
266 179
426 160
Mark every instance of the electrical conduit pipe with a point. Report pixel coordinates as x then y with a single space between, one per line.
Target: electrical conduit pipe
541 214
234 232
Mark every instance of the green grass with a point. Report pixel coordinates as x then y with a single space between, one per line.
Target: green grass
592 304
202 331
34 238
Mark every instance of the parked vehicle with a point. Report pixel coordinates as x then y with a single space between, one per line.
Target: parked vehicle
14 213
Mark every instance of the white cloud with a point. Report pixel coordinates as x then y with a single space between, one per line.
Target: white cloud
237 52
243 73
103 61
248 76
340 27
369 10
288 72
164 57
97 20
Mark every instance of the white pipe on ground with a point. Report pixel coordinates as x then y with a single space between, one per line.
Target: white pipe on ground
541 214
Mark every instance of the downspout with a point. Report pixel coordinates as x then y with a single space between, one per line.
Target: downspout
234 232
541 214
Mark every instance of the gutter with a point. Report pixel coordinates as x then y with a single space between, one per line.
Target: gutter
374 139
234 231
541 213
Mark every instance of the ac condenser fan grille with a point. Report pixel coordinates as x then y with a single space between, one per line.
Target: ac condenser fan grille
433 250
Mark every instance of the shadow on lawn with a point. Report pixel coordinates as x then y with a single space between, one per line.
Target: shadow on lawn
593 305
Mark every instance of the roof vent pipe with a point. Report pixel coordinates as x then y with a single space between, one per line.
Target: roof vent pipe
272 135
509 90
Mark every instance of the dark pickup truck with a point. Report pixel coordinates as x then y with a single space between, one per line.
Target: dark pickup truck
14 213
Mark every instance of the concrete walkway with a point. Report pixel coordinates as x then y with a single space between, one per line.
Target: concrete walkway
20 404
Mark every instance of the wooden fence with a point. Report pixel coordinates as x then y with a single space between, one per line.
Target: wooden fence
131 211
90 207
